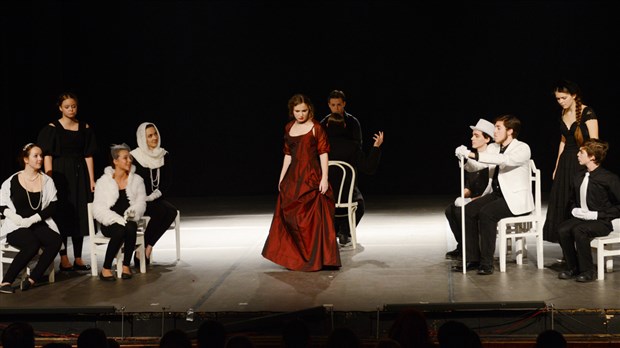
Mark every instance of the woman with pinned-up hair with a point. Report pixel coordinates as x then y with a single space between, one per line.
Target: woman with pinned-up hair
28 201
578 123
68 146
120 201
153 165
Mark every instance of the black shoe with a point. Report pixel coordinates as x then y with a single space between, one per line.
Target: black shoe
7 289
469 267
26 285
344 240
454 254
66 269
107 279
485 270
585 277
126 275
568 274
77 267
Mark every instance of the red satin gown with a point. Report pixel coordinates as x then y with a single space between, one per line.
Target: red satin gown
302 236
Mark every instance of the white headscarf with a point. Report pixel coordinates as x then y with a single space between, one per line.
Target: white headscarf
143 154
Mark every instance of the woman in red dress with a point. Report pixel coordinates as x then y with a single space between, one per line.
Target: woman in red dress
302 235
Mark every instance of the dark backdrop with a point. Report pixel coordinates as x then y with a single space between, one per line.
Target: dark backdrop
215 77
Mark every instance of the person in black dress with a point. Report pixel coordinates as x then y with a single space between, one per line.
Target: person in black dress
578 123
27 201
153 165
68 146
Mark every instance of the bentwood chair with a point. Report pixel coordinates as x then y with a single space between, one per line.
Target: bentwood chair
344 196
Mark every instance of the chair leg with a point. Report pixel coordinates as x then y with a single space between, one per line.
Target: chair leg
352 226
502 248
142 257
609 265
540 251
119 262
177 231
51 277
93 260
600 261
519 250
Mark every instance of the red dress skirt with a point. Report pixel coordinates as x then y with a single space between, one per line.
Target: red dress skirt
302 236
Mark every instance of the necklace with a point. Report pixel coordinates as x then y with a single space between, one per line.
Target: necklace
33 178
154 182
40 199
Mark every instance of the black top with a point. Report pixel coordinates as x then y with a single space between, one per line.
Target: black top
24 207
122 203
150 176
352 126
345 146
603 193
477 181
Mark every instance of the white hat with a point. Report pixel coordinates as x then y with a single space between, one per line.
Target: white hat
485 127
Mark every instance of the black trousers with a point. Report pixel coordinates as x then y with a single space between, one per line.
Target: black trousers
575 237
162 215
120 235
76 241
453 215
481 217
28 241
342 223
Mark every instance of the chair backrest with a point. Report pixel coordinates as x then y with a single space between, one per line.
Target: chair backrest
535 178
92 228
344 196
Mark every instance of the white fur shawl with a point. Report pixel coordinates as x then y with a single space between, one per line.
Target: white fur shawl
106 195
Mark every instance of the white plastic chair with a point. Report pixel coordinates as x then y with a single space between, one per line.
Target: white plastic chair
99 242
8 252
344 198
176 225
519 227
606 247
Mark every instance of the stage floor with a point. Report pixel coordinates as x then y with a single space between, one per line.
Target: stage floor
399 260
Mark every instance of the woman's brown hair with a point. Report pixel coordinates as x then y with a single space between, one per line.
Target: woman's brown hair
573 89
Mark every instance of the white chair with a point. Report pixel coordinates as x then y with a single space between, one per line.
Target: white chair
99 243
344 198
607 246
8 252
519 227
176 225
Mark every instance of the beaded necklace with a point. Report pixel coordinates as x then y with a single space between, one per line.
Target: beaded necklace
154 181
40 195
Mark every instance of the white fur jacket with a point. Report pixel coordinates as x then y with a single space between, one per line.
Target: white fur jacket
49 195
106 195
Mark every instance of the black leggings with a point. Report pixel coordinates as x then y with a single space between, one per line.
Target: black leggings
162 215
29 241
120 235
77 242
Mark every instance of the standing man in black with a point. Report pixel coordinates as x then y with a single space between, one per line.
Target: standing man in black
595 203
345 139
